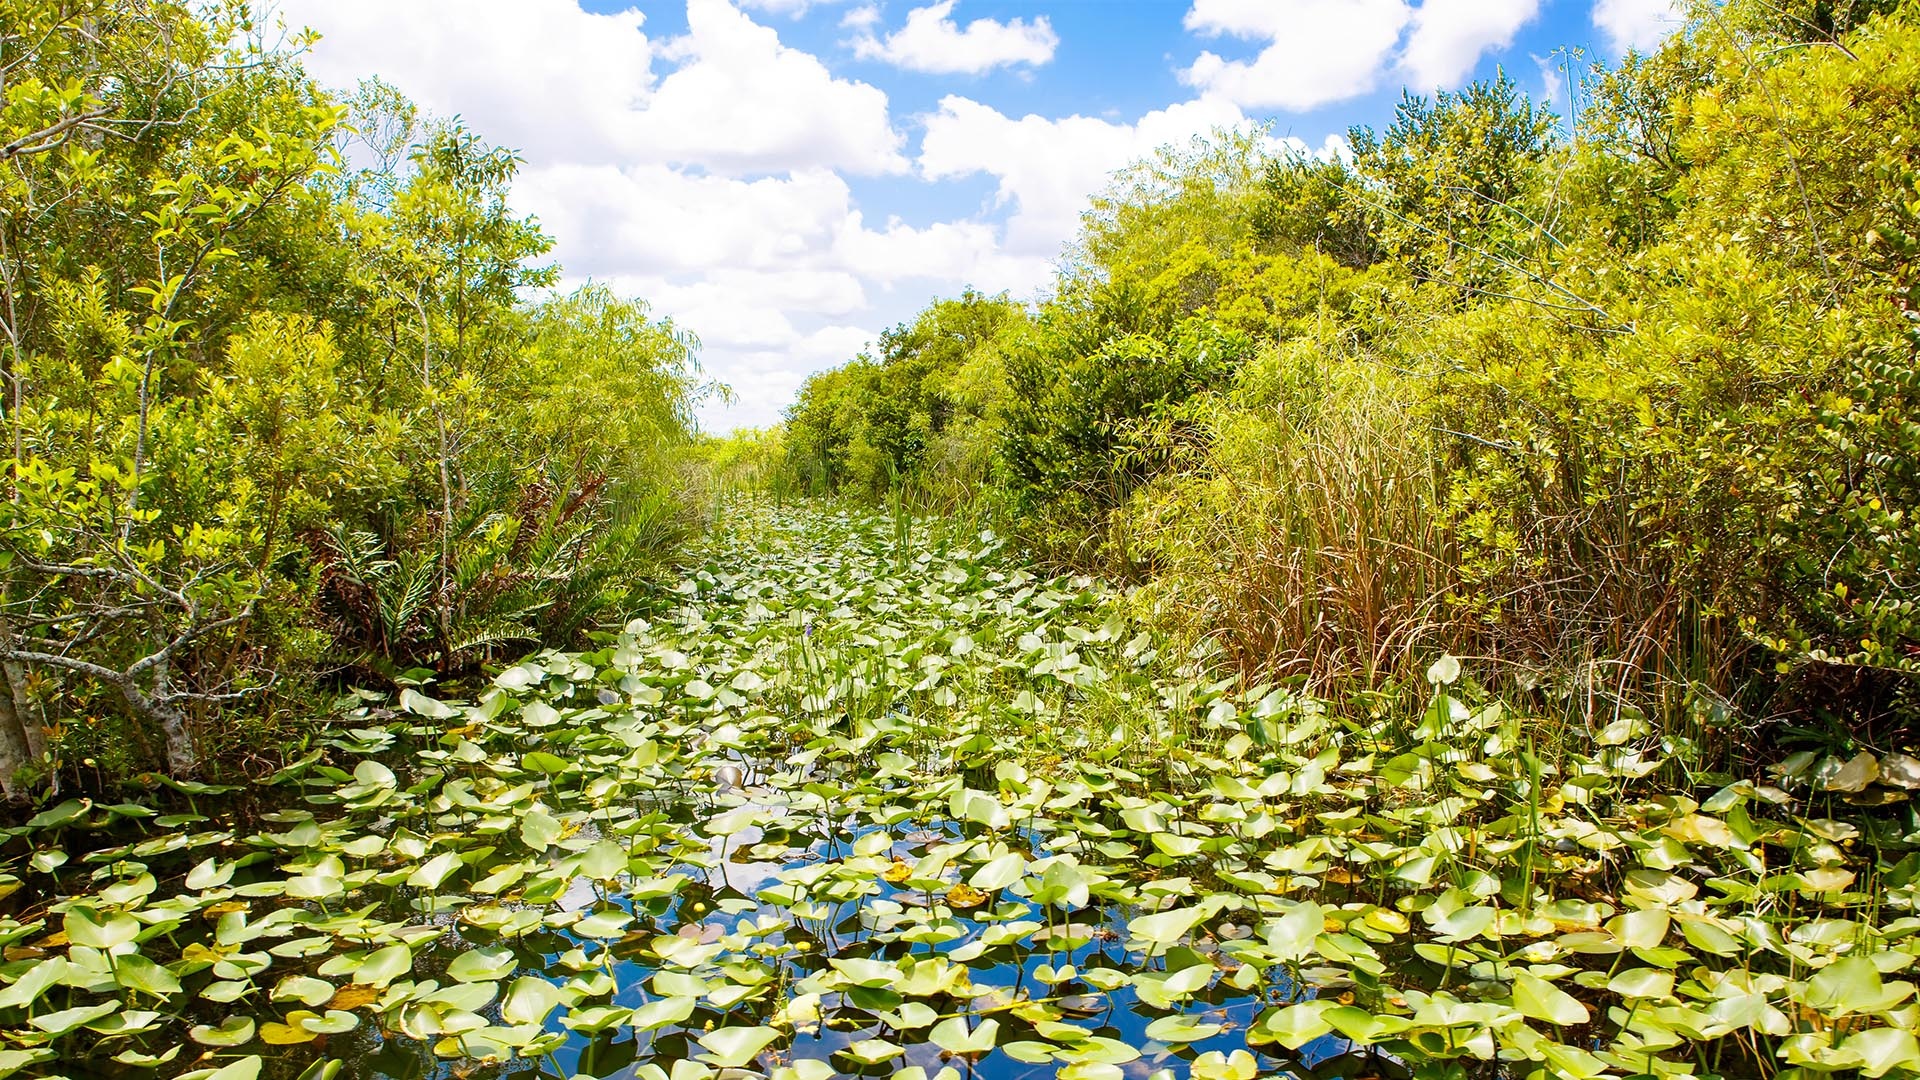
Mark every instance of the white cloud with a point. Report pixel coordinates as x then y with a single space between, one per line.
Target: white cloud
932 42
653 219
792 9
1334 147
1047 168
951 254
861 18
705 173
708 173
1450 36
1553 82
773 376
538 75
1639 25
745 102
1317 51
763 268
561 84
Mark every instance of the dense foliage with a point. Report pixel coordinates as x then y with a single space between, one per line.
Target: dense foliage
1515 464
920 415
880 796
1622 404
281 403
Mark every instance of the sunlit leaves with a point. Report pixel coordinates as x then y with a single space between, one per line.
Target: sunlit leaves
734 1047
1160 930
1541 1000
695 862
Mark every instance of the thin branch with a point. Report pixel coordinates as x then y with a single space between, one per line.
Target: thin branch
51 136
118 679
187 637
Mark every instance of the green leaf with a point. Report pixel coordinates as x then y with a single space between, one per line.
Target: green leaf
1297 1025
136 972
605 924
662 1012
210 874
734 1047
64 1020
484 964
528 1000
538 830
1883 1049
246 1068
335 1022
1182 1028
999 873
1849 984
232 1031
384 965
864 972
34 982
1539 999
952 1035
603 861
98 930
1214 1065
1293 934
1166 927
435 871
873 1051
421 705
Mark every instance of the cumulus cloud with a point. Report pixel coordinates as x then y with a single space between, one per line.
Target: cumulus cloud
1317 52
559 83
932 42
792 9
1046 168
863 17
712 172
744 101
1553 80
1449 37
542 76
761 268
653 219
1639 25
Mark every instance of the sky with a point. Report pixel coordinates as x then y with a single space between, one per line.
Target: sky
788 178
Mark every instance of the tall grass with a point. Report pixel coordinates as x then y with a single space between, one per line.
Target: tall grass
1300 528
1313 526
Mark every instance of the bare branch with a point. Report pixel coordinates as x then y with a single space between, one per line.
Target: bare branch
117 679
51 136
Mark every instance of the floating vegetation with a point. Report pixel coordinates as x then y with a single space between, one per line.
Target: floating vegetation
875 799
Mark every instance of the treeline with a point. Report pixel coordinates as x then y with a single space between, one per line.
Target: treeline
1621 407
280 418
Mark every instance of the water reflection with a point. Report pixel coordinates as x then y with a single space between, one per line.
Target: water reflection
730 890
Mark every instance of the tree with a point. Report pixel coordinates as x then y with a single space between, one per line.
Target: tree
140 144
1452 182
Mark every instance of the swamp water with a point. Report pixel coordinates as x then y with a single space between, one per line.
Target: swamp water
873 800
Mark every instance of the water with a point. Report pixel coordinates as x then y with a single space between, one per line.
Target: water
722 896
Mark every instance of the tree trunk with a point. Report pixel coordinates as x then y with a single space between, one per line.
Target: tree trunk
14 673
183 757
15 754
22 743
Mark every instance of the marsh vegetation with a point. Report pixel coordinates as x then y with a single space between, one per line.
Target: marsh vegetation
1450 611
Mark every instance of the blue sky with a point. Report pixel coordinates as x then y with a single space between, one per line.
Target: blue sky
786 178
